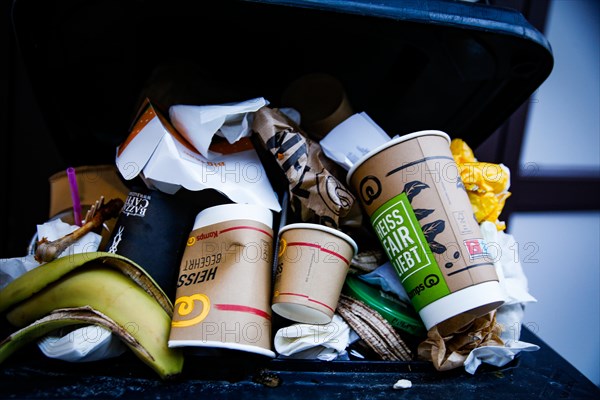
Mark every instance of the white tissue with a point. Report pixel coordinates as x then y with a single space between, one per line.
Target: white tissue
508 268
324 342
12 268
88 343
496 355
510 314
198 124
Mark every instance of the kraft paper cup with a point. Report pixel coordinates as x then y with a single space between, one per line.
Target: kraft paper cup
151 230
411 189
312 266
93 181
321 101
224 285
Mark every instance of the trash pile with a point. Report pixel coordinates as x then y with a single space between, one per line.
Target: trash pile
296 231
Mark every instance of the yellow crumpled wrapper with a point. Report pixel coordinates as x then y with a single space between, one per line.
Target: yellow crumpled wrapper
486 183
449 343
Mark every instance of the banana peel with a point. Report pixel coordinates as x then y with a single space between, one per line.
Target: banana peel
38 278
62 318
112 286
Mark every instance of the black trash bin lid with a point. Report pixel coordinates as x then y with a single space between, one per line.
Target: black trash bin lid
455 66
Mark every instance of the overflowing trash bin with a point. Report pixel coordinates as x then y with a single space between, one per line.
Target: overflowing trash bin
272 198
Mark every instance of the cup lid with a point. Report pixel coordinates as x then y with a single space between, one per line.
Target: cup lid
231 212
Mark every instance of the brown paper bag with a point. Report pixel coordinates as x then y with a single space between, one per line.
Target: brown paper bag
316 194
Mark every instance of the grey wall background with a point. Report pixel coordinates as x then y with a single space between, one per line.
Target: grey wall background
559 251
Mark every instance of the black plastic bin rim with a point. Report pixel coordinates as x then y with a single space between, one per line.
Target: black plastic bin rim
455 66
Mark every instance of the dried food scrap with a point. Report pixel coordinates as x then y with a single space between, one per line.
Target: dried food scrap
267 378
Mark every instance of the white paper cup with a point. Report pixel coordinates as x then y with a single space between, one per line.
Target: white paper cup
223 290
312 266
411 189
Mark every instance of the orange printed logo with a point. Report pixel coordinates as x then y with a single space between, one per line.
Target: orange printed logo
187 304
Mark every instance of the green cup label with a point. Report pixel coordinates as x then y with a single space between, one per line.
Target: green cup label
405 245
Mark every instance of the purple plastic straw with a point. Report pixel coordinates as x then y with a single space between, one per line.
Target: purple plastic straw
74 195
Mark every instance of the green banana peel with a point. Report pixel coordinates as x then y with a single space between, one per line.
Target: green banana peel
38 278
116 296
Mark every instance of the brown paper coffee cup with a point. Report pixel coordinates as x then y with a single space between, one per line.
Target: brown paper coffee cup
321 101
312 266
411 189
224 284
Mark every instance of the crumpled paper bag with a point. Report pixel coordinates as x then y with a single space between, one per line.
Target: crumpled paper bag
315 193
449 344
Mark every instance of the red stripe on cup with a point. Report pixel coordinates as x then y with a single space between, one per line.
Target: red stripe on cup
306 297
245 309
246 227
333 253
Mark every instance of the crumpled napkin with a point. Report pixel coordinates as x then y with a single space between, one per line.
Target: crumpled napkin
495 355
509 270
198 124
89 343
324 342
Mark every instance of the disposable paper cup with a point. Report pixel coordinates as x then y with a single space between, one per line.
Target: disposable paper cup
321 100
93 181
151 230
224 284
411 189
312 266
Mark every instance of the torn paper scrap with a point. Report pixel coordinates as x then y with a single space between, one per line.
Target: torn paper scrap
352 139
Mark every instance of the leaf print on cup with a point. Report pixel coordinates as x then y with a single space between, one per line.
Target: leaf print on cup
436 247
421 213
431 230
414 188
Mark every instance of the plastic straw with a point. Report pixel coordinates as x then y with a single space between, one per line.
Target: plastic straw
74 195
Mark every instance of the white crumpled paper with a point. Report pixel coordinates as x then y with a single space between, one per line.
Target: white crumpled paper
78 345
510 315
89 343
352 139
324 342
168 159
198 124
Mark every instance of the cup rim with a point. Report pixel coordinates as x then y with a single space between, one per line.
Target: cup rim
233 211
307 225
392 142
